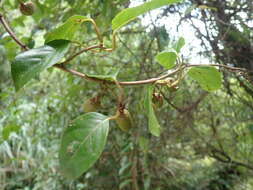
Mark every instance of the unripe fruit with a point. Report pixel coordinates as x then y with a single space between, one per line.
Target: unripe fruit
124 120
27 8
157 100
91 105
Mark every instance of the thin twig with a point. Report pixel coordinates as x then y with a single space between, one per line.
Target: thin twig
11 33
123 83
80 52
224 66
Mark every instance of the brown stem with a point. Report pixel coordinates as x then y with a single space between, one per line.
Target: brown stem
80 52
123 83
224 66
11 33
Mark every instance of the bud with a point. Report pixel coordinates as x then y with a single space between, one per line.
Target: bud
27 8
157 100
124 120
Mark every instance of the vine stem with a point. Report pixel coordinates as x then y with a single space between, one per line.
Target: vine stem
122 83
224 66
80 52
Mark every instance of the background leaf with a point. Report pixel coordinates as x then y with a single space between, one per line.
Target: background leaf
8 129
209 78
82 143
29 64
129 14
167 59
153 124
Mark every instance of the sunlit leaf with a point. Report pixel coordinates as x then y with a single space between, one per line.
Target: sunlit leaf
209 78
129 14
67 30
29 64
167 59
82 143
179 44
153 124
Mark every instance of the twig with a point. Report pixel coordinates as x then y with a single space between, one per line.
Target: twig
80 52
11 33
224 66
123 83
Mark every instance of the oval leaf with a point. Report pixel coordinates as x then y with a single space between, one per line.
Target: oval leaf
67 30
82 143
153 124
29 64
129 14
179 44
209 78
167 59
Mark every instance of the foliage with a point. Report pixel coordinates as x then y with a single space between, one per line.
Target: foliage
195 140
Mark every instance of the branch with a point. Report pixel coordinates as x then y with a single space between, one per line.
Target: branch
11 33
235 69
223 157
80 52
123 83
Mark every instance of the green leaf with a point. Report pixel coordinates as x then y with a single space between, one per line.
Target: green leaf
154 126
209 78
7 130
67 30
82 143
29 64
179 44
144 144
110 76
129 14
250 128
167 59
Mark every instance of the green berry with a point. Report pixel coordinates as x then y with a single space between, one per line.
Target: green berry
124 120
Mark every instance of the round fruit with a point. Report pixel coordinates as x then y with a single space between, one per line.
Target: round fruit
91 105
27 8
124 120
